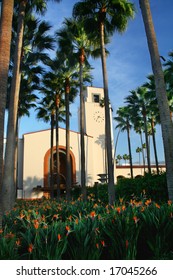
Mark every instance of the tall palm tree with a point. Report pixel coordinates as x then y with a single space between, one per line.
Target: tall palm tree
5 40
72 39
166 123
139 150
123 120
104 17
52 89
126 157
46 111
25 7
68 72
153 113
138 126
138 103
35 42
119 158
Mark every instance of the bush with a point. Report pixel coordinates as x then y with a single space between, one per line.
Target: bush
48 229
152 185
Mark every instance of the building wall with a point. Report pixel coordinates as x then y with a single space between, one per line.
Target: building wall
37 144
138 170
95 126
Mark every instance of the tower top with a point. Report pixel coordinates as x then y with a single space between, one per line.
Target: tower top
93 94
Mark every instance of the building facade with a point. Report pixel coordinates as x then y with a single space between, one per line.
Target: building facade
35 152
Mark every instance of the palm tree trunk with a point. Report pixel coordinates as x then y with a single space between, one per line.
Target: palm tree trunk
9 169
130 152
51 156
68 165
154 146
57 146
14 193
5 39
147 144
166 123
143 155
116 143
111 187
82 127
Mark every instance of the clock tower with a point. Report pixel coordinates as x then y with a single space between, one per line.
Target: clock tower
95 127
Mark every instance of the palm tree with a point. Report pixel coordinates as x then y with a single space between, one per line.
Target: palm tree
52 88
169 70
104 17
139 150
72 39
69 73
119 158
5 40
168 73
126 157
138 103
47 112
20 49
138 126
43 113
123 121
116 142
35 42
166 123
153 113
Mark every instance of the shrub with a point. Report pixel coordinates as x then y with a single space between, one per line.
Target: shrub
49 229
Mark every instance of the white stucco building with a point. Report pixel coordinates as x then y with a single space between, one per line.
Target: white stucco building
34 157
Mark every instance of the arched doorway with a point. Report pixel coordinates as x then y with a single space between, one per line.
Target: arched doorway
62 159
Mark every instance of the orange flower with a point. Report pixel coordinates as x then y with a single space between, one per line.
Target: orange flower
121 200
118 210
22 215
1 230
9 235
30 248
92 214
43 218
76 221
169 202
67 228
148 201
59 237
55 217
135 219
123 207
97 245
103 243
157 205
36 224
70 218
18 242
127 244
45 226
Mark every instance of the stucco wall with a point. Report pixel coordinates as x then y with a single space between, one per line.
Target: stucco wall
36 146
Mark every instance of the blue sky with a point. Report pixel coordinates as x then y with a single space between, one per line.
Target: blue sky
128 63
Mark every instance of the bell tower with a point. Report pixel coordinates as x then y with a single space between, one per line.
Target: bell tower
95 127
